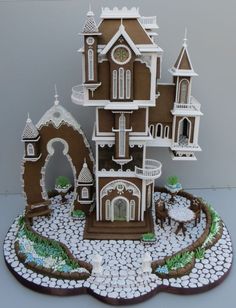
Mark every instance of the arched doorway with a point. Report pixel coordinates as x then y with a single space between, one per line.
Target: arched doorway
184 131
120 209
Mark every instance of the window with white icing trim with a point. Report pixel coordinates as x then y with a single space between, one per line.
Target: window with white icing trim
121 83
85 193
108 210
183 92
90 65
166 132
132 209
122 135
114 83
159 129
30 149
128 83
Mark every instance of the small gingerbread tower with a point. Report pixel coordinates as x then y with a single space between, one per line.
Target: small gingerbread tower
85 184
31 138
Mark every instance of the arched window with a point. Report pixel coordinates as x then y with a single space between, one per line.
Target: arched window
122 135
159 129
183 91
85 193
152 130
90 65
30 149
166 131
121 82
114 83
132 209
184 131
108 210
128 83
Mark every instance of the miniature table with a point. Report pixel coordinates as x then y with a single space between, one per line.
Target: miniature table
181 216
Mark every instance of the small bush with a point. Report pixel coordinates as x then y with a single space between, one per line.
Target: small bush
199 253
148 237
62 182
172 180
78 213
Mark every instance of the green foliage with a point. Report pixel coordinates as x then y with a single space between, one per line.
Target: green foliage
179 260
199 253
78 213
62 182
215 226
173 180
21 221
47 248
148 237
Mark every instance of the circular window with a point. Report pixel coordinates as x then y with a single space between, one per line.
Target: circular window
90 40
121 54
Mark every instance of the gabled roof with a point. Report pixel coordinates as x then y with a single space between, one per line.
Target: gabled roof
85 175
183 65
90 24
120 32
30 131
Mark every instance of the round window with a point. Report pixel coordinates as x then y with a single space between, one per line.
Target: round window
121 54
90 40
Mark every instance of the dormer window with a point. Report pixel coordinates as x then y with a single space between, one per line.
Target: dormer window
30 149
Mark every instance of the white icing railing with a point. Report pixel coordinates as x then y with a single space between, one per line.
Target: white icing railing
151 170
149 22
78 94
192 105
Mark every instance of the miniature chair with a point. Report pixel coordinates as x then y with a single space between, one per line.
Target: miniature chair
37 209
196 208
161 213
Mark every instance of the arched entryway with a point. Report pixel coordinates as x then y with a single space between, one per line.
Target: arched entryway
120 209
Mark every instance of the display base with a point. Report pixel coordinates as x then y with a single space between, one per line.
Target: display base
122 281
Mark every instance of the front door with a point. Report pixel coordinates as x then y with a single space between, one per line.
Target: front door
120 209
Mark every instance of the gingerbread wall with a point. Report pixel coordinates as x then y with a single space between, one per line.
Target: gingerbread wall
32 170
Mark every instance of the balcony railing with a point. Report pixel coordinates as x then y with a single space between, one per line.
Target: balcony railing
78 94
192 105
149 22
151 170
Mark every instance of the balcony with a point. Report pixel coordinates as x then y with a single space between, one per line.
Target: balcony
149 22
191 108
151 170
78 94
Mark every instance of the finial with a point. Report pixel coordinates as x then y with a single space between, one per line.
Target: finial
85 162
121 23
185 37
90 12
28 118
56 102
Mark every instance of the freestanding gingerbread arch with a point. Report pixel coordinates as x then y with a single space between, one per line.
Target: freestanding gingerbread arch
56 125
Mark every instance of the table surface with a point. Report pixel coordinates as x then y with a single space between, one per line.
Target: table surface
14 295
181 214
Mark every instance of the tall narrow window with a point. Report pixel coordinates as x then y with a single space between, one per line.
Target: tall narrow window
85 193
108 210
132 209
90 65
121 82
149 196
159 130
183 94
114 83
122 135
30 149
166 132
152 130
128 83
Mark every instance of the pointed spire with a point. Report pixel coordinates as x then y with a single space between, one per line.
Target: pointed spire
121 24
30 131
56 101
90 24
185 38
85 175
